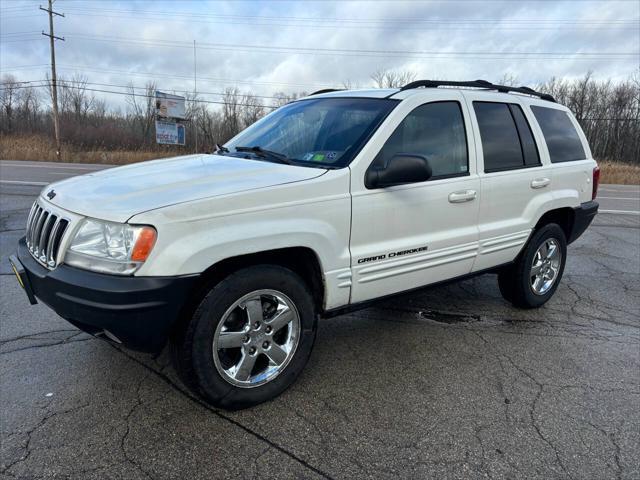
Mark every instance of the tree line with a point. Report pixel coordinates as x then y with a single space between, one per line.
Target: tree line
609 112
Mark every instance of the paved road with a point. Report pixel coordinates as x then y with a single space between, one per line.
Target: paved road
619 199
448 383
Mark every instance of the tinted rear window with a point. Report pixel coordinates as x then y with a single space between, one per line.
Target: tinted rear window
499 135
561 136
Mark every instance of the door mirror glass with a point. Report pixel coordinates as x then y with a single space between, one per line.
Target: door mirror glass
400 169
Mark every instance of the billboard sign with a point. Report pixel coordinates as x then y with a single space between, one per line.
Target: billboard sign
169 106
169 133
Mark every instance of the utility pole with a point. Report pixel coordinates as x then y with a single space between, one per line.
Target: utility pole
195 90
54 86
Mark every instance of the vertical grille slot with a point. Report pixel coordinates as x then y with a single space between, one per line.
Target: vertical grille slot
45 230
54 241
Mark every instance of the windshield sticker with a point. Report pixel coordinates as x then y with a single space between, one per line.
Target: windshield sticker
308 156
318 157
331 155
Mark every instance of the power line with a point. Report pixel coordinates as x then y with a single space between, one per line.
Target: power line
168 75
9 17
63 82
23 67
20 40
353 52
434 55
336 22
342 19
19 33
408 27
144 95
273 107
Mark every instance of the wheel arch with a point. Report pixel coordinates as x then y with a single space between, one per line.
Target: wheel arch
301 260
564 217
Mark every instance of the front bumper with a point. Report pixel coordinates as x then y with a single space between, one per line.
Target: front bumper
135 311
583 216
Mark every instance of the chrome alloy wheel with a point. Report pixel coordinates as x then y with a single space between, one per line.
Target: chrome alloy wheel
256 339
545 266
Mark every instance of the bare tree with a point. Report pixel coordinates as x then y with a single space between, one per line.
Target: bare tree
142 109
99 109
29 108
81 103
252 110
8 98
392 79
210 123
609 112
282 98
230 113
509 80
350 84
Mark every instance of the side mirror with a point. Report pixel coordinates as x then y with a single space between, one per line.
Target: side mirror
400 169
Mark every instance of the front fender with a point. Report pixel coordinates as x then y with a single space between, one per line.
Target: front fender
314 214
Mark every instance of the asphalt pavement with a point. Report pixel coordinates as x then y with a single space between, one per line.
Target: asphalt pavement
451 382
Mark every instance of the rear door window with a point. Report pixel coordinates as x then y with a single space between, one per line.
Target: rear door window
499 135
561 136
507 140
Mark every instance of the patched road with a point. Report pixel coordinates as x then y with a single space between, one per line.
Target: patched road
449 383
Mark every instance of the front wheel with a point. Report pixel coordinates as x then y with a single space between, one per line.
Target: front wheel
533 279
249 338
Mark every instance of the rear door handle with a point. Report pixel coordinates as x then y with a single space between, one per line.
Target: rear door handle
540 182
462 196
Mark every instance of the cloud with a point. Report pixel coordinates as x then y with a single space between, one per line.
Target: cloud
117 42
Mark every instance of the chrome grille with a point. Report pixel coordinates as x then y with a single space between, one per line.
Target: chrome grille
45 229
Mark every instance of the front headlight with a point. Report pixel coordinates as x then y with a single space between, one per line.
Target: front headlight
109 247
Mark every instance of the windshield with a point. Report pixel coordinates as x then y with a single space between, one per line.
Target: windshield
322 132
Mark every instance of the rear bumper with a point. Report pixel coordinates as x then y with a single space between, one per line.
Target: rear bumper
135 311
583 216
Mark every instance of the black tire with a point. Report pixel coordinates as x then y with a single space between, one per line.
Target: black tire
193 349
515 281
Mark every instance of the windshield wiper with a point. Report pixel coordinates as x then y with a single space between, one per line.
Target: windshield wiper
221 148
267 154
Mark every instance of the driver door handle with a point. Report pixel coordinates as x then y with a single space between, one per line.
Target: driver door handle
540 182
462 196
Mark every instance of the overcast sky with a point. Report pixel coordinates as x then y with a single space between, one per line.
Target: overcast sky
265 47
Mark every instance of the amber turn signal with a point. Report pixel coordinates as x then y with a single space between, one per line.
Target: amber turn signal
144 244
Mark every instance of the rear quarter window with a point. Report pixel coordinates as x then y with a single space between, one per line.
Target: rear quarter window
562 139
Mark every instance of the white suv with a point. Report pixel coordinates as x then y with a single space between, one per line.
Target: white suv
324 205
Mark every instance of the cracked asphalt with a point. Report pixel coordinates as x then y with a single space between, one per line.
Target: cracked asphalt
448 383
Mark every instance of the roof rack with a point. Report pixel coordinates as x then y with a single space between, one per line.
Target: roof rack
326 90
477 84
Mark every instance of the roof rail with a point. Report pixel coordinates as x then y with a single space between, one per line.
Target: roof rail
477 84
326 90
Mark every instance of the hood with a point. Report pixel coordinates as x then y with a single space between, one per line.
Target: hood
116 194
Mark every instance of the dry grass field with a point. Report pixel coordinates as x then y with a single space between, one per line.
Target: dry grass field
38 148
620 173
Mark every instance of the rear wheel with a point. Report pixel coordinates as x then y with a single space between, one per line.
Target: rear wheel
249 338
533 279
